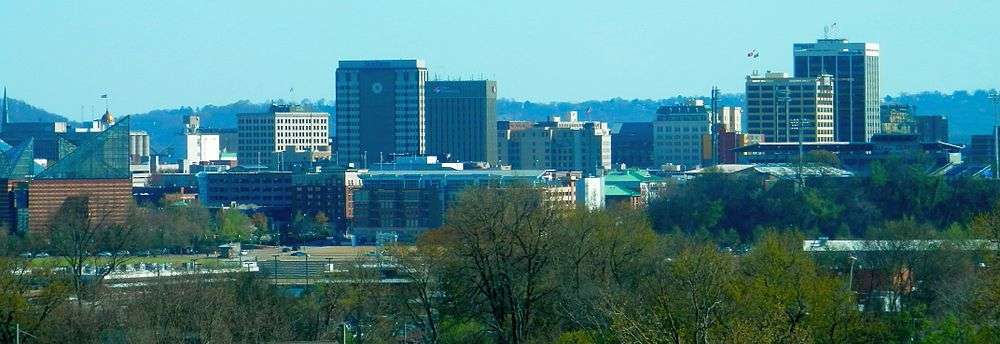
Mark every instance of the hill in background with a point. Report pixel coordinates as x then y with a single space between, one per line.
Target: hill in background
969 113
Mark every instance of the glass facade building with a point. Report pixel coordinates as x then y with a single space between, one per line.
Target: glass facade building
854 67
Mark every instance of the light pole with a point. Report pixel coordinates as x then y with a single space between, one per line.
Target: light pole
995 98
850 280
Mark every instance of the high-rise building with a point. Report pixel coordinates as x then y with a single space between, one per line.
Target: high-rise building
854 67
677 133
776 103
932 128
564 144
461 119
380 109
283 136
898 119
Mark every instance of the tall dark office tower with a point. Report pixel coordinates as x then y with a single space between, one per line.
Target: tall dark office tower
380 109
854 67
461 120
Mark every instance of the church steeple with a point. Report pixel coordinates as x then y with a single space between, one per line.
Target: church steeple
5 119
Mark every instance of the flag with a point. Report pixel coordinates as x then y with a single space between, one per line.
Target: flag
104 96
753 54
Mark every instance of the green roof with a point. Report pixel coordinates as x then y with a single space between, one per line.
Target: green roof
104 156
615 190
631 176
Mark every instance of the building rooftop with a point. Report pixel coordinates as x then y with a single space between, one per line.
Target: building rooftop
103 156
612 190
381 64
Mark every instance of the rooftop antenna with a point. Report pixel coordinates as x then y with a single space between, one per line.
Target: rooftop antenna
830 31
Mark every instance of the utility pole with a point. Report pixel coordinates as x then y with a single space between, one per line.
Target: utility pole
995 98
715 127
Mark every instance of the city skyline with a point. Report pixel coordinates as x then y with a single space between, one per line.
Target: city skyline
161 56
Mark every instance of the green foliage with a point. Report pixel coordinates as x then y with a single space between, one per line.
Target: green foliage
833 207
234 226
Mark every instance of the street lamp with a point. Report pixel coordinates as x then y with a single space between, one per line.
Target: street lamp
850 280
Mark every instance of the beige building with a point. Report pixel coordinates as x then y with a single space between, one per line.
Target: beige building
563 143
677 134
776 103
282 136
731 119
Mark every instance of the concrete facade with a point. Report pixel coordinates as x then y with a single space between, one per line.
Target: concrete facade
810 99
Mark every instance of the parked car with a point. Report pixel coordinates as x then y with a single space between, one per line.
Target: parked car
104 254
300 254
41 255
25 255
285 249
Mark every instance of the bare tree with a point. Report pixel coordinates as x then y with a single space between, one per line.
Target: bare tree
501 244
87 236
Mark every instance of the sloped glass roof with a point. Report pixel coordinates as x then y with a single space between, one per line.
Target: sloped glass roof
104 156
17 162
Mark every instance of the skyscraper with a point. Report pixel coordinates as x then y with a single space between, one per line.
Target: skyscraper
776 103
854 67
461 120
380 109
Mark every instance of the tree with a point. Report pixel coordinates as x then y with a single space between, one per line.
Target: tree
684 301
83 240
822 157
501 247
28 294
987 226
234 226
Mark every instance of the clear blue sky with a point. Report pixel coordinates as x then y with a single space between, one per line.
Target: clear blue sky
60 55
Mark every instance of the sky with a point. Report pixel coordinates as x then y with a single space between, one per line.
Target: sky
62 55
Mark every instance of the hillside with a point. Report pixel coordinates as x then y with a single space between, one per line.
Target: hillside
968 112
24 112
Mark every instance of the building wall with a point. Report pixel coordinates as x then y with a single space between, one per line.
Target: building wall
809 98
201 147
677 134
932 128
109 199
855 68
461 119
263 135
633 145
981 149
380 109
265 188
330 192
562 145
